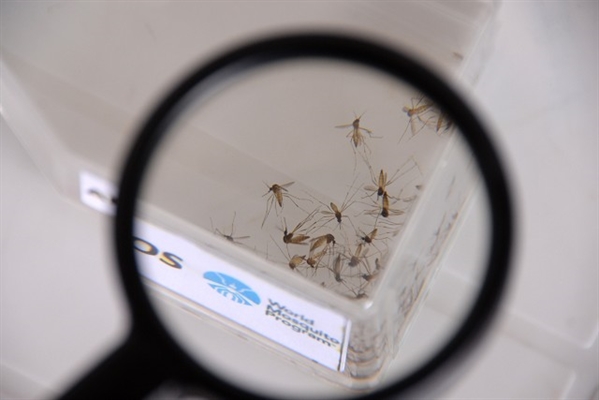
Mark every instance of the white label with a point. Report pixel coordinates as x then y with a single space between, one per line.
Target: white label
97 193
184 268
205 279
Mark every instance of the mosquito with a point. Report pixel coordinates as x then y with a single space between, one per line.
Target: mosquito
230 237
293 237
292 262
337 271
372 276
419 108
355 134
358 257
369 238
337 267
386 210
277 194
360 294
384 214
334 212
323 240
381 183
314 259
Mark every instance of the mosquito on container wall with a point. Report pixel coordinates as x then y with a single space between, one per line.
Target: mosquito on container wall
230 237
334 212
337 213
294 237
355 134
357 294
357 139
368 239
424 113
323 240
419 109
381 182
357 257
384 209
292 262
314 258
371 276
337 267
277 193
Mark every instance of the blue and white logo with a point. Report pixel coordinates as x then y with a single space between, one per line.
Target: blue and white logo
232 288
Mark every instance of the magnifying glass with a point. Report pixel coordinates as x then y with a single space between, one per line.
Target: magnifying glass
306 216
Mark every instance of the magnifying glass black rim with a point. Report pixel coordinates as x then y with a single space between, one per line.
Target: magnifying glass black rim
323 46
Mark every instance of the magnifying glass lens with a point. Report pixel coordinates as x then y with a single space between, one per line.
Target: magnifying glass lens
312 228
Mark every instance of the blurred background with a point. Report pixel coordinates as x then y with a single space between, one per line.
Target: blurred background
77 78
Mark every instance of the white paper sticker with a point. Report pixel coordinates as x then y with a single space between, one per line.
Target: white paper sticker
97 193
184 268
205 279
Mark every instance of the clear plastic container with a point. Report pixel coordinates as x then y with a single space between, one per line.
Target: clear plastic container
327 230
336 305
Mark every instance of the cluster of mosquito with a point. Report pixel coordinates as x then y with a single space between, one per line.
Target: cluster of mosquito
344 246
